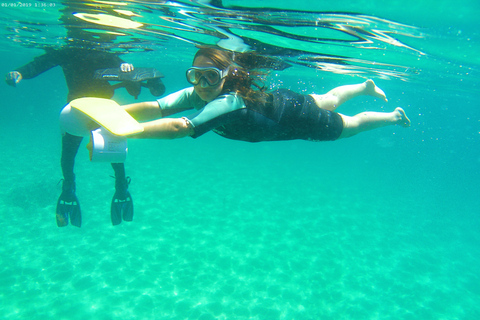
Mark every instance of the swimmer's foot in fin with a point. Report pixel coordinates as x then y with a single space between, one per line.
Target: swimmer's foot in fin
122 204
68 207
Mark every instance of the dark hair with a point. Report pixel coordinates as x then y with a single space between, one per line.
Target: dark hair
243 76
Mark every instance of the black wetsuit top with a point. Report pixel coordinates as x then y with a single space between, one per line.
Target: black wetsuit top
78 66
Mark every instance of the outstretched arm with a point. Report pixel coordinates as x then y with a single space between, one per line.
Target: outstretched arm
173 103
144 111
32 69
215 113
168 128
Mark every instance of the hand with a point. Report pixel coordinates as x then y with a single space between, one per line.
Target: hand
126 67
12 78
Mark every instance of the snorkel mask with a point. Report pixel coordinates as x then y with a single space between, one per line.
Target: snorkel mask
211 76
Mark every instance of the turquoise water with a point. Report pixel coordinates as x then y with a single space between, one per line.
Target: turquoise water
384 225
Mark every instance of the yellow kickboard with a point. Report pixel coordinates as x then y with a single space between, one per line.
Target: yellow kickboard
108 114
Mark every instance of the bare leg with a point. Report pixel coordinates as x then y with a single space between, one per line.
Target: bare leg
372 120
334 98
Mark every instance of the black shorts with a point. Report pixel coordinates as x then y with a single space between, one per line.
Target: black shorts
301 118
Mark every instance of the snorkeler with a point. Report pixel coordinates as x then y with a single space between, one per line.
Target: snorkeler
85 75
229 99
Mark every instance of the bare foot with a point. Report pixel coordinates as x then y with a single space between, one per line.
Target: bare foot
372 90
401 118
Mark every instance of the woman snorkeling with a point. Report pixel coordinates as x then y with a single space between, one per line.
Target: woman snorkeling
230 100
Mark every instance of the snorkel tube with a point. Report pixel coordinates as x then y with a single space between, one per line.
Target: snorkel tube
103 146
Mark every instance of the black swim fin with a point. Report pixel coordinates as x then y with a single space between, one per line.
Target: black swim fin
68 207
122 204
